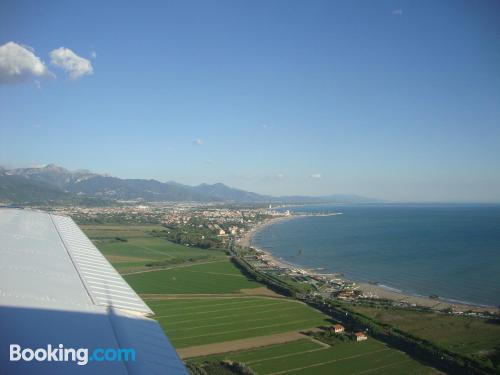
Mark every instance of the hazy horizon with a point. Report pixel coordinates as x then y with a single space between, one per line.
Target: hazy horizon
394 101
381 200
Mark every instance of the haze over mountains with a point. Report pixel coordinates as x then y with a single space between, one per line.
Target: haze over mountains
52 183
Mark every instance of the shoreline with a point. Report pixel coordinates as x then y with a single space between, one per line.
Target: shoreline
246 240
376 291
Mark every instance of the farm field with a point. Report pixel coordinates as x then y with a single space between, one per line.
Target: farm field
461 334
215 277
205 321
305 357
129 247
201 299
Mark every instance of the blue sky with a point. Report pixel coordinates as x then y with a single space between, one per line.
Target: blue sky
397 100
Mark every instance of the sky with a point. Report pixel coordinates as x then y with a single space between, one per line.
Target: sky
397 100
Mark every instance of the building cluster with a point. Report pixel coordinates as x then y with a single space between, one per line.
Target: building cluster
209 219
222 221
339 329
326 285
220 215
215 216
126 213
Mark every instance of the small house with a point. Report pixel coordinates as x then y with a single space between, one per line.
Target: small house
337 328
360 336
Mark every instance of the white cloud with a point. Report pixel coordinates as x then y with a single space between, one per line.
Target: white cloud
316 175
397 12
93 54
280 176
198 141
75 65
18 63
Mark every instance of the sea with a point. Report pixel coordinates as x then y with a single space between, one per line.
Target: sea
452 251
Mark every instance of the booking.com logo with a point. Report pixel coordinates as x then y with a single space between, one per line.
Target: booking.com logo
61 354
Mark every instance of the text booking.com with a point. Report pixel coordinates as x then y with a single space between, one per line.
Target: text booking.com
82 356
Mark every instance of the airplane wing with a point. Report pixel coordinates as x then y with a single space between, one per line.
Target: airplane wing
59 296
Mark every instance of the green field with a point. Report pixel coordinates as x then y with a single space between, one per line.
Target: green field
191 320
465 335
110 230
206 321
216 277
137 247
254 356
305 357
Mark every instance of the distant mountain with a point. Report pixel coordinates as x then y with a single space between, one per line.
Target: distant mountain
54 183
17 189
53 175
134 189
20 190
221 192
334 198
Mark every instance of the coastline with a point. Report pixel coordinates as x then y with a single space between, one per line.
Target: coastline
369 290
246 240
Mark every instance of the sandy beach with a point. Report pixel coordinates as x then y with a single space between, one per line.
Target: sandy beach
372 290
437 304
246 240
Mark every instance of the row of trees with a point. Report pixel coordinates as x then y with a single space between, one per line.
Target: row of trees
273 283
218 368
183 236
179 260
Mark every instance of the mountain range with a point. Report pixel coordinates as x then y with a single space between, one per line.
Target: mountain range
55 184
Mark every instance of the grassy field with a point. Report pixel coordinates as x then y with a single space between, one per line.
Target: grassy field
191 320
306 357
205 321
130 247
254 356
216 277
465 335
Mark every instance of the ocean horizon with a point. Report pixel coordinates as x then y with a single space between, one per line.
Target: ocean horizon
449 250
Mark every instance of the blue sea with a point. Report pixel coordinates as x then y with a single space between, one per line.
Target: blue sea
452 251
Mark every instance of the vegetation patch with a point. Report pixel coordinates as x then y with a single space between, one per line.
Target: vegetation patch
180 260
132 248
185 235
219 368
330 338
259 354
206 321
306 357
208 278
477 338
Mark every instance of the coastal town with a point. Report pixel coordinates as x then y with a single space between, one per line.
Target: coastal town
173 252
225 226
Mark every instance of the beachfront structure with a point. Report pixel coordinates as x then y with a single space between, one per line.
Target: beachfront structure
360 336
337 328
